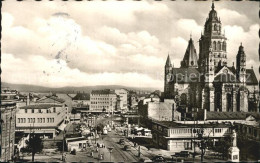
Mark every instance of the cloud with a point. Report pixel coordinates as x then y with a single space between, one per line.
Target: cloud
120 40
58 74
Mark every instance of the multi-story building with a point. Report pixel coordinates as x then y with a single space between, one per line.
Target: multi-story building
123 102
177 137
207 81
8 112
42 119
103 101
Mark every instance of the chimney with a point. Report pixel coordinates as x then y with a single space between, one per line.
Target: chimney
28 100
205 114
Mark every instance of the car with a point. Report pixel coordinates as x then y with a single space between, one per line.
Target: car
145 159
184 154
158 158
121 141
127 147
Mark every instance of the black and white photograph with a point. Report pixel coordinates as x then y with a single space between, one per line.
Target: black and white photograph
130 81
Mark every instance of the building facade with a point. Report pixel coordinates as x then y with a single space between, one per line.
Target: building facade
207 81
103 101
123 102
43 118
8 114
178 137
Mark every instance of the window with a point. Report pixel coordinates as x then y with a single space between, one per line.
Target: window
214 45
29 120
39 110
219 45
43 120
54 110
215 27
32 110
25 110
18 120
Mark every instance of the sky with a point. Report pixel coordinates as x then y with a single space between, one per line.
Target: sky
87 43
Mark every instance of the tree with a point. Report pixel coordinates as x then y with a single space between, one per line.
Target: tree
223 145
34 145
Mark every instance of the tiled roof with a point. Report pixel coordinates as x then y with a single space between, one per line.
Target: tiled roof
82 96
190 56
232 69
54 98
251 80
231 115
40 106
186 75
104 91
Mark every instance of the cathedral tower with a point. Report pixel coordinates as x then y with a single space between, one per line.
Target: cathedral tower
241 65
213 37
168 77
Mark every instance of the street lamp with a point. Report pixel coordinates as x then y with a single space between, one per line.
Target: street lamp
110 151
64 132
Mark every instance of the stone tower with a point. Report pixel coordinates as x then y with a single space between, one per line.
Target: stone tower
168 87
213 37
241 65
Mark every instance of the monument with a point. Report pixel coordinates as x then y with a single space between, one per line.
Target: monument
233 151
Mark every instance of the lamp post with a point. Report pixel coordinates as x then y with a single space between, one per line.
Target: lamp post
64 132
110 151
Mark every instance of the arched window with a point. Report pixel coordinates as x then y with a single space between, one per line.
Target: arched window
219 45
214 45
224 46
215 27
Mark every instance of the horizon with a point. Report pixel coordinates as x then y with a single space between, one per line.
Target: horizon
58 47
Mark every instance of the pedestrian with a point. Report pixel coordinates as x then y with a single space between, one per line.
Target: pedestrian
92 154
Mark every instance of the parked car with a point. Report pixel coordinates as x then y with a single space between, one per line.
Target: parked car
121 141
158 158
184 154
127 147
145 159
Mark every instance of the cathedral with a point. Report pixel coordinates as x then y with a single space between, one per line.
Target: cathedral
206 81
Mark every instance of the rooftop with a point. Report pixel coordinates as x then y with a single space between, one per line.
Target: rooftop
231 115
40 106
104 91
169 124
82 96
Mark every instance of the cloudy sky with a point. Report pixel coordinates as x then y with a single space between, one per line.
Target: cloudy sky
58 44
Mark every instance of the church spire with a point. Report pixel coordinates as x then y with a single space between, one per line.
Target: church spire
190 57
213 6
168 61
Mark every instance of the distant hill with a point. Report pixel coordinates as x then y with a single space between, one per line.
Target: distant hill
69 89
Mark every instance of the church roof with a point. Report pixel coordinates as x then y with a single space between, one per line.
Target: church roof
251 77
190 57
212 115
186 75
225 78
